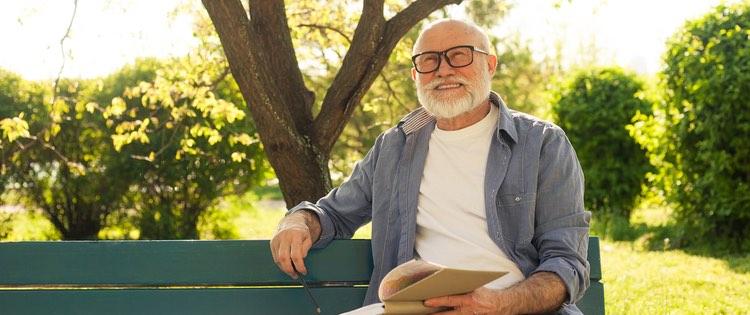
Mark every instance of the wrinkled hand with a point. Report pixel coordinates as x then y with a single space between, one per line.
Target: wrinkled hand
291 242
480 301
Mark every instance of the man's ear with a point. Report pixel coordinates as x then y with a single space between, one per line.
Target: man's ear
413 74
491 64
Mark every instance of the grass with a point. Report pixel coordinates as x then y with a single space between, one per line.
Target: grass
673 282
644 274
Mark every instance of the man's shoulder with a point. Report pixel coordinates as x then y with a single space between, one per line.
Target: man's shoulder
527 123
414 120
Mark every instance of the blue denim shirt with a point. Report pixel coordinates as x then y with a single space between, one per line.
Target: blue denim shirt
533 198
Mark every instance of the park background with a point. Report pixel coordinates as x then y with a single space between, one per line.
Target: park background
122 120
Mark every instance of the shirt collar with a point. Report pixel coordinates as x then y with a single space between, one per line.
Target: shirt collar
505 119
420 118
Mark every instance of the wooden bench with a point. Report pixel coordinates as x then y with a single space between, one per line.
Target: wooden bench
191 277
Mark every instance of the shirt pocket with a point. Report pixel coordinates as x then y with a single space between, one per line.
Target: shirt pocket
516 213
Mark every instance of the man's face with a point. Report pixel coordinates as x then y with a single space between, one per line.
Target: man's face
449 92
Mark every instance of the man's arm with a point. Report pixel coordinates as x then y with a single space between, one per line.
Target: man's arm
542 292
337 215
291 242
561 222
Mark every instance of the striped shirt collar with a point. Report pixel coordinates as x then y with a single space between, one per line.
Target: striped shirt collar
420 118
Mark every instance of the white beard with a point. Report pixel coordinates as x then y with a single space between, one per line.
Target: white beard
447 108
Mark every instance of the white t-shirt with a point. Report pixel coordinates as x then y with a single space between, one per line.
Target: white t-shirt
451 217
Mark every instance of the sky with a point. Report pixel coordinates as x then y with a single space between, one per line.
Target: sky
107 34
629 33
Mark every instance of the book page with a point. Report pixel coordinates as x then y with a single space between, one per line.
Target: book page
405 275
417 280
410 307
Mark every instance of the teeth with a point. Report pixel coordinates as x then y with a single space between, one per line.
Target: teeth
447 86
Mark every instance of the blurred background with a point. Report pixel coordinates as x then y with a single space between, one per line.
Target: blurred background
122 120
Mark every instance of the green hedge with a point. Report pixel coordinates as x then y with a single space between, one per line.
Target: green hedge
594 108
707 105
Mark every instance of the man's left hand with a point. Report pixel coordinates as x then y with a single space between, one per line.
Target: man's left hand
480 301
541 292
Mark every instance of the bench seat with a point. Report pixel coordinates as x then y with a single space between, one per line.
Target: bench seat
192 277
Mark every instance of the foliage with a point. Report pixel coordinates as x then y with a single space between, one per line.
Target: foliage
5 224
594 109
25 225
521 81
699 135
187 129
154 144
62 163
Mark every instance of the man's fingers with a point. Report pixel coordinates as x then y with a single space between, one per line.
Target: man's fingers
283 257
450 301
290 244
299 252
456 303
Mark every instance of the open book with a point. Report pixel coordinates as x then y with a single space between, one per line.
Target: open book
404 289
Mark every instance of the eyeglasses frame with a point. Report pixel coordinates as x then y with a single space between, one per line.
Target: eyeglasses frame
443 54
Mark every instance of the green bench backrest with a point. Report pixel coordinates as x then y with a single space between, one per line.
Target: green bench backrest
187 277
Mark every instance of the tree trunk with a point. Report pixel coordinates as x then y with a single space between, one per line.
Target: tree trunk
262 60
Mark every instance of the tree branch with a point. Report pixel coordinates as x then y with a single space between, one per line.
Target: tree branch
62 51
393 91
269 28
328 28
374 40
251 69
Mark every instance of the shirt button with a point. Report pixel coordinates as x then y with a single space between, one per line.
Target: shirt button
517 199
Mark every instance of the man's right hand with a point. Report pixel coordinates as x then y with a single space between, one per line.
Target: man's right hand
293 239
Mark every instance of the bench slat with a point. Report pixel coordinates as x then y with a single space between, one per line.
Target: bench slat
179 301
594 259
192 263
155 263
592 303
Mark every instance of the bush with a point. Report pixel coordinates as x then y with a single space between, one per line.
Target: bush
706 116
594 109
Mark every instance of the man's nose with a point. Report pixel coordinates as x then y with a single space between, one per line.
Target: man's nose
444 69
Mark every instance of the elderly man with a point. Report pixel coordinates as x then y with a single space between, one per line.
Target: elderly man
464 182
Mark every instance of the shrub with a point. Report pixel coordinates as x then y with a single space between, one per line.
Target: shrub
594 109
706 117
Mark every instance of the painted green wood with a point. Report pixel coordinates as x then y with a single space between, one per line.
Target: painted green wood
153 263
593 302
594 259
196 263
281 301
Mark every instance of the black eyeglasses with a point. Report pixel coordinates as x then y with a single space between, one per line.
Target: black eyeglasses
457 57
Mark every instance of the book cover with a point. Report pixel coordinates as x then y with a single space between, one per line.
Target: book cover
404 289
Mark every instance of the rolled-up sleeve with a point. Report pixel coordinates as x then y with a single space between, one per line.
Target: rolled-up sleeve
345 208
561 223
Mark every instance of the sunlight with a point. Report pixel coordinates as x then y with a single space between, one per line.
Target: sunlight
108 34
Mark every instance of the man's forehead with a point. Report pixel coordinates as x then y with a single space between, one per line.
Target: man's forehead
446 35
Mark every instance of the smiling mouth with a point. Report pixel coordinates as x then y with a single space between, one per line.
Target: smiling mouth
448 86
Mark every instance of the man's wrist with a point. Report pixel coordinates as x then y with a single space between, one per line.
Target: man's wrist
305 217
542 292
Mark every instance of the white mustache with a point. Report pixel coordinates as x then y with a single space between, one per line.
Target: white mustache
437 82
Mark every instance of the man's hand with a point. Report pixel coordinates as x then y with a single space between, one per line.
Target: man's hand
292 241
481 301
542 292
